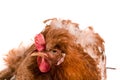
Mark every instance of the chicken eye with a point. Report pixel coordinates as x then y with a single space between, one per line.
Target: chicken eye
54 51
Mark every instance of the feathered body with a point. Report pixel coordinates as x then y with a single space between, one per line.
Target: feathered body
83 49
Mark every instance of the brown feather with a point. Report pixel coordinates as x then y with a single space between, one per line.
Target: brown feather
84 51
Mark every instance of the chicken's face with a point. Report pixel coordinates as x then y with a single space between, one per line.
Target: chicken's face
47 57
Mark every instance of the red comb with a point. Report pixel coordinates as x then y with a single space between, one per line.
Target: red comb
39 42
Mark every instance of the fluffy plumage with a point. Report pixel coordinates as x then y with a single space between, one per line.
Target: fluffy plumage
73 54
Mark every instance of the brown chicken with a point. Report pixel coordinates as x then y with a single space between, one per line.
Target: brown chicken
61 52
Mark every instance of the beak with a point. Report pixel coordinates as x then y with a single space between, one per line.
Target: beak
41 54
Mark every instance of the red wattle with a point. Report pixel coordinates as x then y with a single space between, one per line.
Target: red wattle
43 64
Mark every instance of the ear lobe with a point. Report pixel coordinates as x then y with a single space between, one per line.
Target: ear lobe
62 59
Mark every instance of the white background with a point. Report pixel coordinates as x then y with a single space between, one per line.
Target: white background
20 20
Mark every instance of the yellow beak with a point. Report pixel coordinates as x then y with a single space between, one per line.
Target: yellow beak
41 54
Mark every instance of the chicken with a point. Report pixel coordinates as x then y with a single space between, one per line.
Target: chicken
60 52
